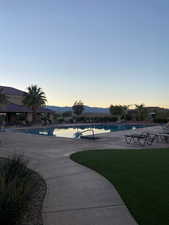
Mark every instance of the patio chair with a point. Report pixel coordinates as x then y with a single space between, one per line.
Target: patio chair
140 139
162 137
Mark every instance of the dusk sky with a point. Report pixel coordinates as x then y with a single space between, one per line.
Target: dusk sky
100 51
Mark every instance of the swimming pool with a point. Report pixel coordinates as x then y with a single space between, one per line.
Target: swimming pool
70 131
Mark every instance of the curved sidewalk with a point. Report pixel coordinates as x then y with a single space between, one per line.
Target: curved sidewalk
76 195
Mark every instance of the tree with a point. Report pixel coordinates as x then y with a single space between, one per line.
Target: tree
118 110
125 111
141 112
78 108
3 98
67 114
34 99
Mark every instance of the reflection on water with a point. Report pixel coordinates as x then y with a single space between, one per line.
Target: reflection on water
70 131
60 132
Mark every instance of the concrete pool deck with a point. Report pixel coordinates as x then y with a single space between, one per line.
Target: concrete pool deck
76 195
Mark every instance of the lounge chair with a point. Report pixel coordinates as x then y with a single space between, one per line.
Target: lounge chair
162 137
80 134
140 139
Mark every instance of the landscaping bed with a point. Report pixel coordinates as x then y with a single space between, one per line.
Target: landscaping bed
22 192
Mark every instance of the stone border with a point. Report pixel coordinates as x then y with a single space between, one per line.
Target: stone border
34 217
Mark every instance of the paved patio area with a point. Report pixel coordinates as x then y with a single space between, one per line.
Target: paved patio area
76 195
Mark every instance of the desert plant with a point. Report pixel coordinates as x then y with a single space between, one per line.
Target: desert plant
17 189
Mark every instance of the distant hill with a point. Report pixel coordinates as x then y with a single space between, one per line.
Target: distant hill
88 109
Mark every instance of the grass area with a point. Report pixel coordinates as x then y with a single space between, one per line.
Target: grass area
140 176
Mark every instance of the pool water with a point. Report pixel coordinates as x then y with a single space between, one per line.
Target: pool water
70 131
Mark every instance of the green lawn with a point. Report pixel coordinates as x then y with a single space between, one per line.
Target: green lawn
140 176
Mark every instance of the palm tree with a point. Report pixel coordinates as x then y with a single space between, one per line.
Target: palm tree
141 112
35 99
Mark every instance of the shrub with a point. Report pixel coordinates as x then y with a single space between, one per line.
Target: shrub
129 117
17 190
67 114
118 110
60 119
160 120
70 120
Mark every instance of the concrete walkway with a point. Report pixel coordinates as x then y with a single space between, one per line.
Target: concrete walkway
76 195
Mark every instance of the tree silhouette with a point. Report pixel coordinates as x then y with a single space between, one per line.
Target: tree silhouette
78 108
118 110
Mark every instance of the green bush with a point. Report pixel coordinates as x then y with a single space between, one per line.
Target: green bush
60 119
129 117
17 189
81 119
95 119
67 114
160 120
55 117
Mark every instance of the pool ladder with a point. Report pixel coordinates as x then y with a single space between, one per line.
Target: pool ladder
79 134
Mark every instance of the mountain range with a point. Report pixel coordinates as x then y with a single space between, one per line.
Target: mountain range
87 109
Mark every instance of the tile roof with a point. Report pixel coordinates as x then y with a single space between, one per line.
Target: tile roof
21 108
14 108
12 91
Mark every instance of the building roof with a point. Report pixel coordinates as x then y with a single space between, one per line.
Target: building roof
14 108
11 107
12 91
21 108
